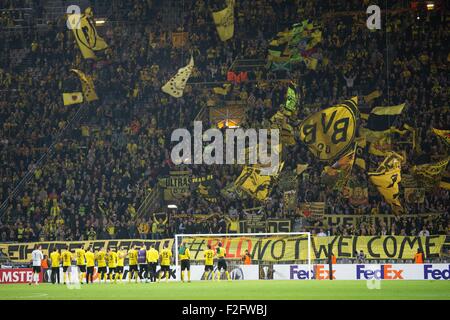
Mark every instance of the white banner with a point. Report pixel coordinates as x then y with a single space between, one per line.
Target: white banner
363 272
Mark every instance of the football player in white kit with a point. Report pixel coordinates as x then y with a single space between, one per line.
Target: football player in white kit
37 257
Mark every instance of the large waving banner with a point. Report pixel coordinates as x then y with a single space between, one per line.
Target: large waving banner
21 252
330 132
291 248
263 249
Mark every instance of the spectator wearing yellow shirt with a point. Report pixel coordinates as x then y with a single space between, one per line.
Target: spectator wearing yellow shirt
143 229
233 224
159 227
55 210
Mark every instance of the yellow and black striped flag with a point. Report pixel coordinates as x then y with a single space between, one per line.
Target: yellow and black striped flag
87 85
86 35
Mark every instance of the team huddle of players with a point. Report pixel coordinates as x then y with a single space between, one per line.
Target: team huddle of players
142 263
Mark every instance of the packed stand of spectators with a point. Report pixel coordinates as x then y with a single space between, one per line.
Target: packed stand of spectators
101 167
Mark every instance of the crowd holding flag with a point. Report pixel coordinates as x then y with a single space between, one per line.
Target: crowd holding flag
337 175
86 35
87 85
331 131
224 21
296 45
430 174
176 85
387 179
70 98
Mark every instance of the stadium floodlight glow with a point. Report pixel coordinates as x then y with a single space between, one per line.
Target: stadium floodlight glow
197 244
430 6
172 206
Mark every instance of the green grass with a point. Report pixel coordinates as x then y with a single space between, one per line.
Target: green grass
245 290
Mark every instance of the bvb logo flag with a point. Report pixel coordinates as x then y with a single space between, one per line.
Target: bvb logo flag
86 34
224 21
72 98
444 134
87 85
331 132
177 83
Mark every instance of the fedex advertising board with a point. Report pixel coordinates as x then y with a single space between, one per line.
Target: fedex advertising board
363 272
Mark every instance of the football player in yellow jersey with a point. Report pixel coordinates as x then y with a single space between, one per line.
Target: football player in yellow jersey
152 260
132 263
90 264
120 263
100 257
166 255
112 265
185 257
81 261
55 257
66 262
221 263
209 261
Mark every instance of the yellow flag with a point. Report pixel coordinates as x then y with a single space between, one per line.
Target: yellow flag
72 98
86 35
224 21
430 174
254 184
87 85
331 132
387 183
175 86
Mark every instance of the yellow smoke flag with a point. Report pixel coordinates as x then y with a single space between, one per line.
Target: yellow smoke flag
87 85
175 86
387 183
444 134
224 21
88 40
72 98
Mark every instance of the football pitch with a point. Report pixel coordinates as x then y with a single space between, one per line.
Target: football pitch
235 290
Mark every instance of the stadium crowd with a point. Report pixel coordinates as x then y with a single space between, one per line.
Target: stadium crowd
105 157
